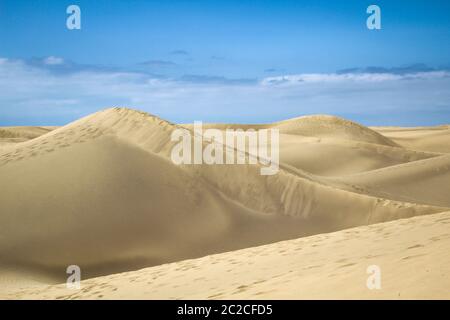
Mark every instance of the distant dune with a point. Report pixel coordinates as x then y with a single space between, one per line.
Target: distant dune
434 139
12 135
103 193
332 127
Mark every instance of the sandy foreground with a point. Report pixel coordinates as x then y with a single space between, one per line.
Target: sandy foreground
102 193
412 254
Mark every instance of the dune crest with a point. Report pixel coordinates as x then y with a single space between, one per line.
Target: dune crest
332 126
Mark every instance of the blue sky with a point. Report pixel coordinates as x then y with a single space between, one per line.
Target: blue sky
213 60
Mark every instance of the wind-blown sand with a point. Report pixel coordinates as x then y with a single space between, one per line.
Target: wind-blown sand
103 193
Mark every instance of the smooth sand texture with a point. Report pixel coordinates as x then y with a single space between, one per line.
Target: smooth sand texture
412 255
103 193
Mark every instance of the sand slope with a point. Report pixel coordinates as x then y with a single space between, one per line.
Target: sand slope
341 157
103 193
434 139
412 255
331 146
425 181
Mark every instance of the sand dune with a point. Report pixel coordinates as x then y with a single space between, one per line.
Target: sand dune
341 157
434 139
342 146
103 193
323 126
425 181
26 132
412 255
12 135
331 126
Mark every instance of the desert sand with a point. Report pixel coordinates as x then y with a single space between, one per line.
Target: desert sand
412 255
102 193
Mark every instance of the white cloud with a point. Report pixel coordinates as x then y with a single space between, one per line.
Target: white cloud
351 77
33 93
52 61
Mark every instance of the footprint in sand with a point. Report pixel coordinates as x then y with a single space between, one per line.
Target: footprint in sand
412 257
415 246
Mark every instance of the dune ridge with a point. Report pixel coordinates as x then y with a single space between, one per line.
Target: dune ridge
423 181
330 126
110 174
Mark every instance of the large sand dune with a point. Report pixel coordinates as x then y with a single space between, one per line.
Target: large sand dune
103 193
